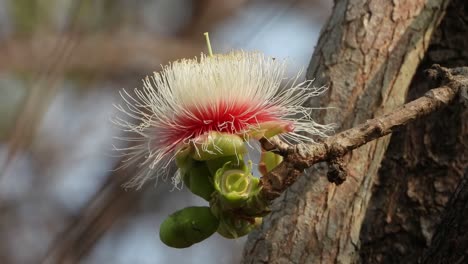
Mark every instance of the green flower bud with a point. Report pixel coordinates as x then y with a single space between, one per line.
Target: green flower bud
199 180
235 185
270 129
183 158
215 164
268 161
214 145
188 226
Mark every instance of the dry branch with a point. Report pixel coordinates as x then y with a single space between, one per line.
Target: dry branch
300 157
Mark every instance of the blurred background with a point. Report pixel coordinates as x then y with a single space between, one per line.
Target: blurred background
62 64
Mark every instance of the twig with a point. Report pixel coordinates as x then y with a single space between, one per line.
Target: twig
452 82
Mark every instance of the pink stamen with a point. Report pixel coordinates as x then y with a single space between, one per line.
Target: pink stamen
290 127
226 118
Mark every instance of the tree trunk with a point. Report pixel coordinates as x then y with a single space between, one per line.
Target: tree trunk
424 163
450 242
367 54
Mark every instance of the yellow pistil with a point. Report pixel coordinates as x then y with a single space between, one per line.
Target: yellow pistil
208 44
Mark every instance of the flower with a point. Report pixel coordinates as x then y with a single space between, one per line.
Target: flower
238 93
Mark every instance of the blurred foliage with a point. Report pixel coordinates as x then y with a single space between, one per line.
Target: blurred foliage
28 15
63 178
86 15
12 96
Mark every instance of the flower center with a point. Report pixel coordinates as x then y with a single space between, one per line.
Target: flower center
223 117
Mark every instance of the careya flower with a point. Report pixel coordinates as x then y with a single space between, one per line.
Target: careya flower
200 114
192 103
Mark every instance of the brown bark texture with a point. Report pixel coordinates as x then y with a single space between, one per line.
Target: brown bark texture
423 164
367 54
450 241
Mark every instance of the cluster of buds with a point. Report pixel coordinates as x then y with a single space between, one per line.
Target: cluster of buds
201 113
213 167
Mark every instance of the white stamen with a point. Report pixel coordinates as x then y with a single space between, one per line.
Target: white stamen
153 113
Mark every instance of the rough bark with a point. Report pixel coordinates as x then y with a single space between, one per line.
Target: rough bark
450 242
424 162
367 54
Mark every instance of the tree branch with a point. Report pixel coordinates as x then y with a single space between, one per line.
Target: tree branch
297 158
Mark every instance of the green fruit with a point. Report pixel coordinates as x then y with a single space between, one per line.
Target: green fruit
188 226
